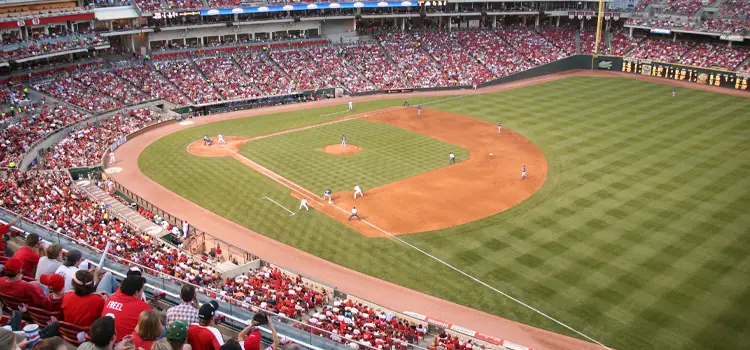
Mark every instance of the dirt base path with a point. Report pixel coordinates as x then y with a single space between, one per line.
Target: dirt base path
384 293
467 191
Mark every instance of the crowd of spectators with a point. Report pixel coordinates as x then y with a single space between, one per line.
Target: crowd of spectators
331 60
108 83
269 79
532 46
460 67
621 43
348 321
735 8
72 91
685 7
86 147
224 3
373 62
187 78
718 56
725 25
588 41
565 39
664 50
228 79
153 83
420 69
17 137
42 47
501 59
306 74
660 23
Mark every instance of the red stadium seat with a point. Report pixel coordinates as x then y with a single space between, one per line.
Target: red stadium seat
41 316
69 332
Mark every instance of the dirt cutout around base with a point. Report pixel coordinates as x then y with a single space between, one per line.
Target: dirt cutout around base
457 194
230 146
337 150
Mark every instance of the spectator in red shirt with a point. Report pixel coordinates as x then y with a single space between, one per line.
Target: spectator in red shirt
203 336
28 256
4 230
126 305
251 336
55 284
13 285
82 307
148 330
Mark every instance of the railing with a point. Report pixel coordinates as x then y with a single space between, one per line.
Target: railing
236 313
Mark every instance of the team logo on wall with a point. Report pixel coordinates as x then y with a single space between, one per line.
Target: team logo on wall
605 64
702 78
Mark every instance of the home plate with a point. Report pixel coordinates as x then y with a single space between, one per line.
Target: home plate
186 122
113 170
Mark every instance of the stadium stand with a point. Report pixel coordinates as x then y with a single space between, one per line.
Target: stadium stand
269 79
420 69
501 59
305 73
186 77
331 60
376 66
718 56
459 66
532 45
145 76
218 70
661 50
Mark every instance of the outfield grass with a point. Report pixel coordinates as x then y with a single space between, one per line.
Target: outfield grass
388 154
640 236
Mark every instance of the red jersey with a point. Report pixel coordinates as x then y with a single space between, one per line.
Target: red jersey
52 304
141 344
82 311
252 342
29 258
29 293
125 310
4 229
204 338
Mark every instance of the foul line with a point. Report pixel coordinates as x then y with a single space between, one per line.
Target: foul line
276 178
274 202
314 197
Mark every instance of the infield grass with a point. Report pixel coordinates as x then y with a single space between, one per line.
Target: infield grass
640 237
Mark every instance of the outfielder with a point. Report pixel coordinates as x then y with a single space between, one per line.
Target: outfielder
674 92
111 157
499 126
419 110
303 204
406 103
358 190
354 214
343 141
523 172
351 106
327 194
221 139
452 158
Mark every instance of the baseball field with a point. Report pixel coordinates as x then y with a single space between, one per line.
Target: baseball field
633 226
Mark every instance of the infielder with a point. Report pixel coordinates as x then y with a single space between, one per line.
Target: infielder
303 204
343 141
419 110
358 190
354 214
523 172
674 92
452 158
221 139
406 103
111 157
351 106
499 127
327 194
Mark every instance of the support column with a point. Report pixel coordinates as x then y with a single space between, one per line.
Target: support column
581 25
270 35
536 21
494 21
132 43
558 21
730 44
674 37
200 41
630 35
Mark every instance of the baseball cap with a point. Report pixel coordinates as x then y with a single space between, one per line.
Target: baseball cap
135 271
177 331
208 310
13 265
54 281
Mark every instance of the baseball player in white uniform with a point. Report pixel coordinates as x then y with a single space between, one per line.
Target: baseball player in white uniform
221 139
111 157
499 127
343 140
354 214
327 194
452 158
358 190
351 106
523 172
303 204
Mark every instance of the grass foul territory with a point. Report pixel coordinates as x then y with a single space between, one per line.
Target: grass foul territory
639 238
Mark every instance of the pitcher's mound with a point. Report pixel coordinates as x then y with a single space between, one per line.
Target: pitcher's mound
337 150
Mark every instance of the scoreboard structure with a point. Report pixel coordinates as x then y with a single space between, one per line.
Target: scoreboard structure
674 71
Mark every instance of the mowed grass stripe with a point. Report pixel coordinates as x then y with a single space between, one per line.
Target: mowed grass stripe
642 220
